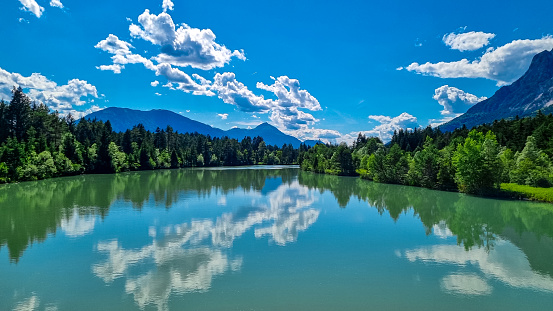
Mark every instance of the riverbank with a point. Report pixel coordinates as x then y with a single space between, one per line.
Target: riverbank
527 192
507 190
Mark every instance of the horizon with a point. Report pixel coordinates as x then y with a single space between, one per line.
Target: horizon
314 71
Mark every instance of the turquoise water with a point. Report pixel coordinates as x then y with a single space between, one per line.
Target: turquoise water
267 238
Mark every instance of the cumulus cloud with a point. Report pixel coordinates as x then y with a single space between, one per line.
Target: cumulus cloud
57 97
114 67
183 46
289 94
285 112
440 121
167 5
388 125
32 6
122 54
468 41
504 64
183 81
56 4
154 83
324 135
236 93
113 45
454 100
291 118
223 116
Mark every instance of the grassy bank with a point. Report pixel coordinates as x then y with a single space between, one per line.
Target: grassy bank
528 192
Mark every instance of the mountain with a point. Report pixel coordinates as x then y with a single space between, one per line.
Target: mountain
271 135
530 93
122 119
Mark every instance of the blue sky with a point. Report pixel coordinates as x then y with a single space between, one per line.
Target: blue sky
316 70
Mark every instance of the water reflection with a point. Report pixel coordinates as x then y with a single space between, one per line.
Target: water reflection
505 263
76 224
476 222
465 284
30 211
186 257
509 242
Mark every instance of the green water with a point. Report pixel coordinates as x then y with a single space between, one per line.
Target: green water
267 239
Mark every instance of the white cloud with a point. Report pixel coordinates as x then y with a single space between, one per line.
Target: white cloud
57 97
184 82
56 4
154 83
325 135
167 5
32 6
468 41
291 118
285 113
289 94
236 93
438 122
114 67
113 45
504 64
223 116
454 100
183 46
122 54
388 125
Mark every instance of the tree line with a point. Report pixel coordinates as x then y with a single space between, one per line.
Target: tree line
37 144
473 161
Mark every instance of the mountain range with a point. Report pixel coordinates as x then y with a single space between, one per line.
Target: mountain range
524 97
122 119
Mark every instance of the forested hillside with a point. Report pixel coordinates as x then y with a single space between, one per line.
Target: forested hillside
477 161
36 144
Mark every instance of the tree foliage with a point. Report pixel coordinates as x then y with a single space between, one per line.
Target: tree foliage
36 144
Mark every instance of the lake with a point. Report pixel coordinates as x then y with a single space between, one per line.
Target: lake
267 238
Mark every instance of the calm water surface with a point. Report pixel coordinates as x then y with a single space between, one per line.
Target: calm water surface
267 239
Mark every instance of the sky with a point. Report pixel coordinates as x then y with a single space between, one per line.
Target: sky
314 69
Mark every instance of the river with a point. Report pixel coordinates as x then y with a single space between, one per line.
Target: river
267 238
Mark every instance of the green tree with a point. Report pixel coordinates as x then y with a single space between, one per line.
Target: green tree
532 166
477 164
19 113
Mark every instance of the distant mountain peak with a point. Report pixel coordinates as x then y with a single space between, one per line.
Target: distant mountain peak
524 97
265 125
122 119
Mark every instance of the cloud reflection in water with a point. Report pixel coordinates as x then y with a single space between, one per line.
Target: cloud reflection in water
186 257
505 263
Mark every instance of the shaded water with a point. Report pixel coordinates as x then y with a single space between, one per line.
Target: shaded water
267 238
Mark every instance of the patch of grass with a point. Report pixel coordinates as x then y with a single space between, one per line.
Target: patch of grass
529 192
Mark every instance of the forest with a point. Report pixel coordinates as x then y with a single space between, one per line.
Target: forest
36 143
506 154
